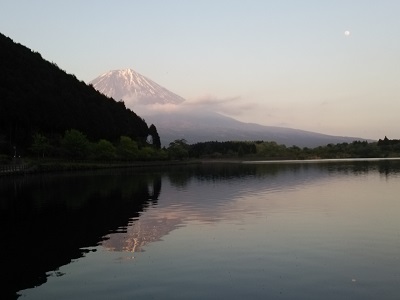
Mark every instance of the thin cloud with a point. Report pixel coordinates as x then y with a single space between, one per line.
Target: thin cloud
210 100
233 106
229 106
146 109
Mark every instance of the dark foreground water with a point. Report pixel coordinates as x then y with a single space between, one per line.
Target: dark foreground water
228 231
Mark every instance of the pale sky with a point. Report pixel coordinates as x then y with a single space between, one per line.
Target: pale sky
281 63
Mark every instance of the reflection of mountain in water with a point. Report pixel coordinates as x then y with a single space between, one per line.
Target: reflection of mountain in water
142 232
204 187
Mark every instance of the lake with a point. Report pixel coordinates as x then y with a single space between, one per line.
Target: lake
259 230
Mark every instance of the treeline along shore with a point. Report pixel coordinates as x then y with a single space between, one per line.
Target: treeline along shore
81 154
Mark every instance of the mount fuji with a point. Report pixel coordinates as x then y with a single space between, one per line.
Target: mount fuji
193 124
133 88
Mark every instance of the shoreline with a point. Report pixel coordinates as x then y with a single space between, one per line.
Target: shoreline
67 166
36 167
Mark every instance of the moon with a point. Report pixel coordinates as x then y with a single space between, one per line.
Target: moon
347 33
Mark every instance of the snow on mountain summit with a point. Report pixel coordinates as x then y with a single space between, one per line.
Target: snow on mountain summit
133 88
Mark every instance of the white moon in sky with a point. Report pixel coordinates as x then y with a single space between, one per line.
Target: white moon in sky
347 33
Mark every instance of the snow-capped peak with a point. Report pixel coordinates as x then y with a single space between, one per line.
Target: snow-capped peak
133 88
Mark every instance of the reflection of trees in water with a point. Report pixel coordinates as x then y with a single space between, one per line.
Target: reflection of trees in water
388 167
359 167
133 237
46 220
154 189
180 177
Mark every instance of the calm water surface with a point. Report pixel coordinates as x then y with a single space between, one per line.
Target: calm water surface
216 231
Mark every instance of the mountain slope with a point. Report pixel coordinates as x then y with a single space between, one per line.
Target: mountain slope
37 96
133 88
203 126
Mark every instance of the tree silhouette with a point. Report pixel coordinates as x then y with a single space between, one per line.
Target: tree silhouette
155 137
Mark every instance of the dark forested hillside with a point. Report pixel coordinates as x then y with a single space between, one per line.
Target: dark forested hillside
37 96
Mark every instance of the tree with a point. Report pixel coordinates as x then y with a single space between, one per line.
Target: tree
156 141
75 144
147 153
240 151
127 148
178 149
40 145
104 150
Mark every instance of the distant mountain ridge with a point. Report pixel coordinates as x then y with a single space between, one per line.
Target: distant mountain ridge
133 88
204 126
194 124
